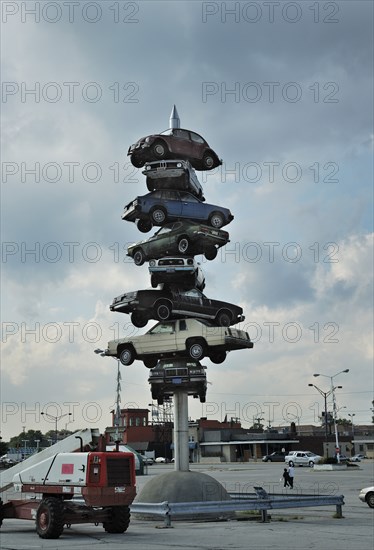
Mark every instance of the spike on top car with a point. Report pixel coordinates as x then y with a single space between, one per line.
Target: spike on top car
174 143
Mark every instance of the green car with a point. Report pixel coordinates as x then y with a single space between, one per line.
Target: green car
181 237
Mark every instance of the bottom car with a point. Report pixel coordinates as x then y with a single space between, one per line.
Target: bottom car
367 495
179 373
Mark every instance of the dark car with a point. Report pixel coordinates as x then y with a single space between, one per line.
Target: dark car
179 238
178 373
172 174
277 456
167 205
182 271
174 303
174 143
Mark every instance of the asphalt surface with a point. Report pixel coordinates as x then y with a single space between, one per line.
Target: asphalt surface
291 529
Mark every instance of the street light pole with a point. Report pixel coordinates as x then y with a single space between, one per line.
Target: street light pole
55 419
325 395
332 391
353 430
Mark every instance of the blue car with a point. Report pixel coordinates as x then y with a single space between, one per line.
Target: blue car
167 205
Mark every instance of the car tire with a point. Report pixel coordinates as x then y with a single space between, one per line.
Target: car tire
370 500
150 362
202 398
211 253
218 357
127 356
139 257
216 220
208 161
311 464
139 320
144 226
137 162
119 519
158 215
224 319
159 150
196 349
183 245
162 310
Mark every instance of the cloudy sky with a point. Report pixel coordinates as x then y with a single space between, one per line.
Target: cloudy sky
283 92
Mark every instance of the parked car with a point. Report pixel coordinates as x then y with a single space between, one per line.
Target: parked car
276 456
302 458
147 460
357 458
175 302
161 460
6 462
174 143
172 174
367 495
182 271
193 338
167 205
169 375
179 238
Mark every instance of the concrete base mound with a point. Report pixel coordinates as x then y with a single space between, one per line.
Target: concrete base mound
182 487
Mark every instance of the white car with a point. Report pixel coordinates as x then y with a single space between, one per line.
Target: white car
302 458
160 460
193 338
357 458
367 495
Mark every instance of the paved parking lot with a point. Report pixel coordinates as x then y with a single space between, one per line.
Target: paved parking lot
288 529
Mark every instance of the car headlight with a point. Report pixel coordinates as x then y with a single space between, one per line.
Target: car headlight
152 263
179 165
147 140
148 167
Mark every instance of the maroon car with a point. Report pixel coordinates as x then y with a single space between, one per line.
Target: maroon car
174 143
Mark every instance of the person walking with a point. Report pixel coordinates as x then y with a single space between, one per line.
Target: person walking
286 479
291 475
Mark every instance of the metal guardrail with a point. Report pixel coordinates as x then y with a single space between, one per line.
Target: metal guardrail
239 503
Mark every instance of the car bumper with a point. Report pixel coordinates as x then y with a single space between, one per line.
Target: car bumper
238 343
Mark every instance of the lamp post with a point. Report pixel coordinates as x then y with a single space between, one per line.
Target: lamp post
55 419
353 430
332 391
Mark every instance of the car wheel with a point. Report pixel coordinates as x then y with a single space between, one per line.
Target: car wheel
137 162
127 356
216 220
139 320
158 215
370 499
224 319
50 518
218 357
196 349
150 363
159 150
202 398
210 253
139 257
162 310
208 161
183 245
311 464
144 226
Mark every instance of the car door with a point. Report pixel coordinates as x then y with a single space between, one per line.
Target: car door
193 300
180 142
192 207
158 339
198 145
172 203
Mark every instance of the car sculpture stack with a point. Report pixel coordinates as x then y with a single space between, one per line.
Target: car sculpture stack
191 326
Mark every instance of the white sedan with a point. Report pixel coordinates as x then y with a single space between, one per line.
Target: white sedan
367 495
